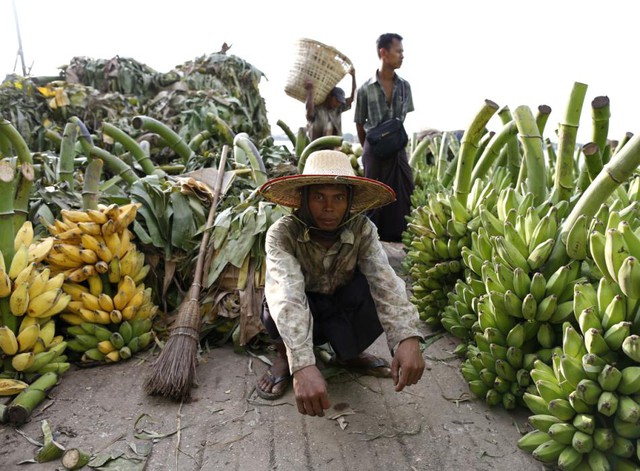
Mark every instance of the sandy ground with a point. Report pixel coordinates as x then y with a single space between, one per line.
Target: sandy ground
435 425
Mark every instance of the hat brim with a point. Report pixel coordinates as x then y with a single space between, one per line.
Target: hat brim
367 193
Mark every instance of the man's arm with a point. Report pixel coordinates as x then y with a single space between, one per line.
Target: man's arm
361 133
353 87
310 107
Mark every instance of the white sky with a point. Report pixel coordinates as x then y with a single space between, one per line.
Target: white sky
457 53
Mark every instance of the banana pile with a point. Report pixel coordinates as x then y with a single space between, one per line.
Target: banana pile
103 273
97 343
32 297
436 234
520 311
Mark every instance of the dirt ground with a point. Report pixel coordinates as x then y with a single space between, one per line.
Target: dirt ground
435 425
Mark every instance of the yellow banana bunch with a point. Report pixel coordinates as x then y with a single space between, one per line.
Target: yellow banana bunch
38 251
24 236
8 341
19 262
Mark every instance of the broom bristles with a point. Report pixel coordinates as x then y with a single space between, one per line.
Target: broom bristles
175 368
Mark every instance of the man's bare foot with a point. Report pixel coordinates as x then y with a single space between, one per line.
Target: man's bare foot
273 384
367 364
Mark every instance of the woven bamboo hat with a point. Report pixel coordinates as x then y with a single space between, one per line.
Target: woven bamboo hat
328 167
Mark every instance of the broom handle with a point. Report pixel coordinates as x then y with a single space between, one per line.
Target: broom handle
197 278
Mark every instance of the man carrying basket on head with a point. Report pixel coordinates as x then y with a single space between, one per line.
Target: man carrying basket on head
325 119
328 279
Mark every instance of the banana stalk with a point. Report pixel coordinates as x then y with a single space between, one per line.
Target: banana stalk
567 131
65 167
24 403
592 159
443 156
258 170
618 170
197 140
131 145
542 117
533 154
7 224
419 151
172 139
53 137
450 172
514 158
492 151
116 165
287 130
324 142
25 177
600 114
90 189
5 146
468 150
74 458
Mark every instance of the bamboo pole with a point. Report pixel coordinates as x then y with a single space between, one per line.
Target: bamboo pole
468 150
531 140
567 132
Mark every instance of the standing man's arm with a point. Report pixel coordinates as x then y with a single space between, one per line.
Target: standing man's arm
310 107
361 133
353 88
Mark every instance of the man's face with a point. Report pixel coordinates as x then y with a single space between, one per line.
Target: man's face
394 55
328 205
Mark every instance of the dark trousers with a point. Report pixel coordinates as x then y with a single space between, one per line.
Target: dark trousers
347 319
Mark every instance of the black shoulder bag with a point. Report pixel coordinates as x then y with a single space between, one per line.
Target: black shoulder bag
387 138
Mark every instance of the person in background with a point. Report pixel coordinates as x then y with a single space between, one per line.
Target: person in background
325 119
384 96
328 279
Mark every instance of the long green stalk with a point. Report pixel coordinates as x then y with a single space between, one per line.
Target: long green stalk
600 114
443 156
65 165
5 146
592 159
531 140
172 139
491 152
7 190
542 116
91 186
450 172
24 403
617 171
116 165
131 145
25 173
625 139
469 148
514 158
287 130
419 151
567 132
53 136
258 170
197 140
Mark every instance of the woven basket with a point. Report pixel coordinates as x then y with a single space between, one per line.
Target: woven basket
323 64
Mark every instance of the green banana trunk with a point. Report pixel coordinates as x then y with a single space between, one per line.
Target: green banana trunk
567 132
533 154
514 158
91 187
287 130
492 151
172 139
131 145
258 170
65 165
600 114
469 148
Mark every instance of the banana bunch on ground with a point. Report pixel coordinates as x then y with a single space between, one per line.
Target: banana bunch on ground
34 350
33 296
459 316
520 310
96 343
436 234
586 408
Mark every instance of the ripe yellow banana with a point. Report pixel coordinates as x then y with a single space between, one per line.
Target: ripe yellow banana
112 356
105 302
101 267
61 303
97 216
95 285
8 341
112 240
127 216
75 216
114 272
28 337
89 257
38 251
128 263
90 301
55 282
91 242
138 297
72 319
129 312
47 332
103 317
126 290
19 299
39 305
74 289
5 283
105 346
25 275
22 361
70 235
19 262
88 315
60 260
92 228
108 228
116 316
81 274
39 282
126 243
24 236
11 387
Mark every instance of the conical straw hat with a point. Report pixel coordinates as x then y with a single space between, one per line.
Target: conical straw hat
328 167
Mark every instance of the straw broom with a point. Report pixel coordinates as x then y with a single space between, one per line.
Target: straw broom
175 368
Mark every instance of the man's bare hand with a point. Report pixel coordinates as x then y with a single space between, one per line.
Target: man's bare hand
310 390
308 84
408 364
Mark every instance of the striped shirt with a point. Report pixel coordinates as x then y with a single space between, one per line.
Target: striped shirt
371 104
296 264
